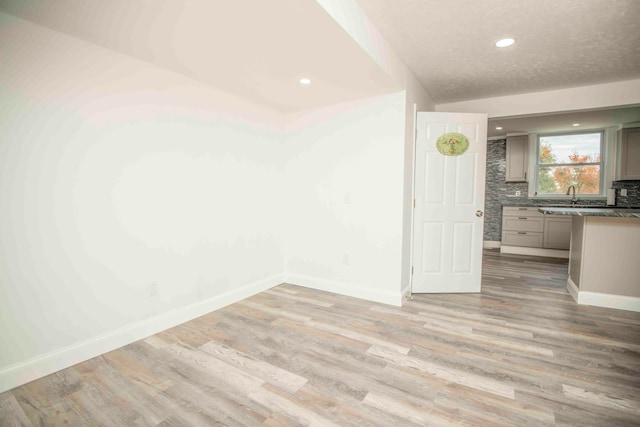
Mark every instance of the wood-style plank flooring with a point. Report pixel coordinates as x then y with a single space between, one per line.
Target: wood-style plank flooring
520 353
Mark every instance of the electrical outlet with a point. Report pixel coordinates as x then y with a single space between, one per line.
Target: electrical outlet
623 192
153 289
518 193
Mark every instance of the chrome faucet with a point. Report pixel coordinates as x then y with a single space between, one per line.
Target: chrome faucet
573 197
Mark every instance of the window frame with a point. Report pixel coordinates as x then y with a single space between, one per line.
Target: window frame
602 163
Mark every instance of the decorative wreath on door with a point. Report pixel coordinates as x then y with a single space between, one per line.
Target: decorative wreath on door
452 144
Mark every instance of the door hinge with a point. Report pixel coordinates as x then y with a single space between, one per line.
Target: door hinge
412 270
414 203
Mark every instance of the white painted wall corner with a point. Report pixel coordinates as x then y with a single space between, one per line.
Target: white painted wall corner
573 289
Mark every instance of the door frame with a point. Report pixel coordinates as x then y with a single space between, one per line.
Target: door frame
413 197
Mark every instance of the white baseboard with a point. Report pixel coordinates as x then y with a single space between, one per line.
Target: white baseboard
609 301
573 289
346 289
491 244
40 366
596 299
405 291
522 250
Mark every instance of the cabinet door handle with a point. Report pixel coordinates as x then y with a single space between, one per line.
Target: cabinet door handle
522 209
521 232
522 217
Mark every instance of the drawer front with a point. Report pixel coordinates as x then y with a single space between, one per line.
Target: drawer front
514 238
523 223
521 211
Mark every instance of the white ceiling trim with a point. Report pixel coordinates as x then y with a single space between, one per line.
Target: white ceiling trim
562 100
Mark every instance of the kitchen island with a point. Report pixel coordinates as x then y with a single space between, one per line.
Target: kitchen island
604 258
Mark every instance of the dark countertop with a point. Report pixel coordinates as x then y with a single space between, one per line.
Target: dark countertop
559 204
611 211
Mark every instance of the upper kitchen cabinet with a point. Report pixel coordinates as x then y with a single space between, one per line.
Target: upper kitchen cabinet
517 158
629 154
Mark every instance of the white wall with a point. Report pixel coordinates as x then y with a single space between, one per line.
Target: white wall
357 24
115 175
345 167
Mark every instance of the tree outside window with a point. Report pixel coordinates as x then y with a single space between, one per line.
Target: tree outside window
570 159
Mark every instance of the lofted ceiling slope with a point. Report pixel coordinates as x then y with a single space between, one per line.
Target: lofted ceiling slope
255 49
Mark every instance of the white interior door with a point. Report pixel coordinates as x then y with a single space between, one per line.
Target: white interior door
449 205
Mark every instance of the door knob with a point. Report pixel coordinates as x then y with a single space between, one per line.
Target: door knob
479 213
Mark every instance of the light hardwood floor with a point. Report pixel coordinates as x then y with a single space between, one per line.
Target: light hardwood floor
520 353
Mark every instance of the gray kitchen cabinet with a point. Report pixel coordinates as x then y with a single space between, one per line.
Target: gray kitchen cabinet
526 227
522 226
517 158
630 154
557 232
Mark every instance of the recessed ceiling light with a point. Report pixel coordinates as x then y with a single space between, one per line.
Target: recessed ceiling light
305 81
505 42
575 124
498 127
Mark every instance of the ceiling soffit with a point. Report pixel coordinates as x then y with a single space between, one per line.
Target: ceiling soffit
255 49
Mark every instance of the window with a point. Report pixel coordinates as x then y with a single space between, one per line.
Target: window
569 159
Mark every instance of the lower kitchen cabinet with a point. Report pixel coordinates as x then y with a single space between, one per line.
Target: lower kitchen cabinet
522 226
525 227
522 238
557 232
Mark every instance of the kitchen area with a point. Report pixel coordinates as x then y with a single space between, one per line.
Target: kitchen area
599 235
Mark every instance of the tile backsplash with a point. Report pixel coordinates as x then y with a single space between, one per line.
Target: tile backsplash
496 189
499 193
633 193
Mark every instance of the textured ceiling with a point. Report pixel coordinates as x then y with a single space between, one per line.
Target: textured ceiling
254 48
449 44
